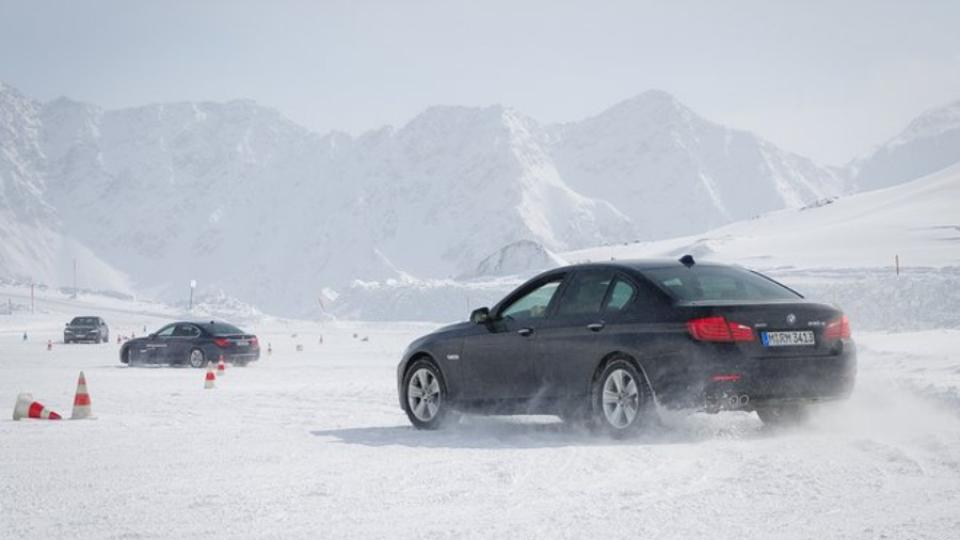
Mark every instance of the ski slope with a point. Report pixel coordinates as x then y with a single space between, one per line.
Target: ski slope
313 444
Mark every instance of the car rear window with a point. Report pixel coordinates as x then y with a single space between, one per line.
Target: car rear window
717 283
222 329
85 321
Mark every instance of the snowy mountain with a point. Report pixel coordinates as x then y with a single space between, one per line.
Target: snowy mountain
33 245
249 203
930 143
673 172
918 220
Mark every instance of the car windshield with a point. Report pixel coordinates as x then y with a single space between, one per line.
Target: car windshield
222 329
84 321
700 283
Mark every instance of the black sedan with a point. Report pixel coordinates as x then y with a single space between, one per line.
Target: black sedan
88 328
194 344
606 343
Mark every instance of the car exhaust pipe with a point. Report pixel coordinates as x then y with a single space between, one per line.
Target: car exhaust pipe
737 401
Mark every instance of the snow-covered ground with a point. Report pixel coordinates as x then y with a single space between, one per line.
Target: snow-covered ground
313 444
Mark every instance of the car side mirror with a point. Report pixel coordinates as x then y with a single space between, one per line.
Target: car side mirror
480 316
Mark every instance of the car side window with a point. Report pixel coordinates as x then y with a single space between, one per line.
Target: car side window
621 295
532 305
166 331
585 293
186 330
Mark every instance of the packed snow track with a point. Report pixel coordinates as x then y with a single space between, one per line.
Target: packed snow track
314 444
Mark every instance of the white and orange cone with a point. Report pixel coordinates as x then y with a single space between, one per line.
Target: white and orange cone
81 401
211 378
26 407
221 367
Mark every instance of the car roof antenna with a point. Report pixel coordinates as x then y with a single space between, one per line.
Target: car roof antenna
687 260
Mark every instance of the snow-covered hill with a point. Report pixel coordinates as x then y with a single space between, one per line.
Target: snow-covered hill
673 172
254 206
518 258
919 221
34 245
930 143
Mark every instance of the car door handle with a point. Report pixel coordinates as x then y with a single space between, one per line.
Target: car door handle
595 327
525 331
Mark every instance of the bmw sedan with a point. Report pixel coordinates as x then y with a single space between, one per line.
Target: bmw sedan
193 344
608 343
86 329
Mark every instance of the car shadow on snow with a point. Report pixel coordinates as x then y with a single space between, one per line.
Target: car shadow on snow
546 432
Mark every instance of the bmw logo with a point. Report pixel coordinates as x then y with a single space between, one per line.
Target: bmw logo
791 319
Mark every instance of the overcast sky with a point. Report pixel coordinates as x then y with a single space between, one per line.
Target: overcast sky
825 79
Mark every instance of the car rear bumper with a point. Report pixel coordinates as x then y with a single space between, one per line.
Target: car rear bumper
241 357
753 383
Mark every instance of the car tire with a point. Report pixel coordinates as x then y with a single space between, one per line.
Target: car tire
424 395
196 358
621 399
783 415
106 338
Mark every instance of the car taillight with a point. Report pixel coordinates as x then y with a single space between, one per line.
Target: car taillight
838 328
719 329
221 342
254 342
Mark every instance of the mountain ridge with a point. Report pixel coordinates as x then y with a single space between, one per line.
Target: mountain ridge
241 198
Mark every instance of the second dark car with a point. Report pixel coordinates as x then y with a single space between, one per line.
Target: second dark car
87 328
607 342
194 344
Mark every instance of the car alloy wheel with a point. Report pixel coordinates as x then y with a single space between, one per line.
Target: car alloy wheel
423 394
620 399
424 398
197 359
621 403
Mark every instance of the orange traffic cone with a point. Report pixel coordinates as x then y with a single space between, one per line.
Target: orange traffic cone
221 367
26 407
49 344
210 379
81 402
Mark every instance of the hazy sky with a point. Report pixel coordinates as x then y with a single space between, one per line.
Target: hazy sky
826 79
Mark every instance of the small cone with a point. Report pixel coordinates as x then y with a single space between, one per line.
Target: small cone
26 407
49 344
221 367
210 379
81 402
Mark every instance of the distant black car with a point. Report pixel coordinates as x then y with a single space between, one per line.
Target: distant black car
194 344
86 328
605 342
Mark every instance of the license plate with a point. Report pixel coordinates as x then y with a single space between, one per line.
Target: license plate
242 343
788 339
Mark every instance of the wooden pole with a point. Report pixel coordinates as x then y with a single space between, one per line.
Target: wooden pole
896 259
